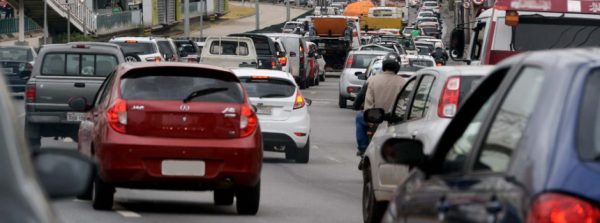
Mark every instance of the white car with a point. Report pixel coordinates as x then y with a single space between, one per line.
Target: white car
421 111
282 111
139 49
431 5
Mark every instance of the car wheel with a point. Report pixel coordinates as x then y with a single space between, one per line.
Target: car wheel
342 102
103 195
132 58
248 199
322 76
372 209
88 194
303 154
290 153
223 197
34 139
317 80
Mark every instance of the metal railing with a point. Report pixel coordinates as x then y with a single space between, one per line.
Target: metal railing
11 25
125 19
81 16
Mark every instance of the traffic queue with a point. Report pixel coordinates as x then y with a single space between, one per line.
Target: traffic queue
441 143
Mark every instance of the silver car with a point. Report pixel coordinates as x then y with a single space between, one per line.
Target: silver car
355 66
422 110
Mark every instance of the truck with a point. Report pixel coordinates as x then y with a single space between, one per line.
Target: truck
514 26
334 36
383 17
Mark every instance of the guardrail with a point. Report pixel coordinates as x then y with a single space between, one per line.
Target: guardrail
11 25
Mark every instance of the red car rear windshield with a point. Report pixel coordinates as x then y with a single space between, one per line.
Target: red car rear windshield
141 86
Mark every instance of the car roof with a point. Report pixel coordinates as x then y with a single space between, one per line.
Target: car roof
98 44
369 52
98 49
459 70
139 39
249 72
282 35
126 67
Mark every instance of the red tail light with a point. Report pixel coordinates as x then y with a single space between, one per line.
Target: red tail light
191 60
448 104
117 116
559 208
299 101
273 64
248 121
28 66
153 59
283 61
30 93
349 62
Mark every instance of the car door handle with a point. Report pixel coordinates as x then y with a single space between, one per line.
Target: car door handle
79 84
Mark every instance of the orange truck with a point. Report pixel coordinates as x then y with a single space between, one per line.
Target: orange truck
333 35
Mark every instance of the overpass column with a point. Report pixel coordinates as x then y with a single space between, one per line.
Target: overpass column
21 20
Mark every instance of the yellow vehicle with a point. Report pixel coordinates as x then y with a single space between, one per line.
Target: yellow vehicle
383 17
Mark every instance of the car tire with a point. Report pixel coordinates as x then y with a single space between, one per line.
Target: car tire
342 102
131 57
89 191
103 195
32 131
290 153
223 197
372 209
322 77
317 80
303 154
248 199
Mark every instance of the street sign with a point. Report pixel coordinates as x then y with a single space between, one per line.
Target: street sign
467 4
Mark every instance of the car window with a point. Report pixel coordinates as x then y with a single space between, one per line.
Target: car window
169 87
420 103
510 122
165 48
73 64
134 47
401 106
229 48
15 54
456 158
262 46
588 132
362 60
103 91
187 47
268 88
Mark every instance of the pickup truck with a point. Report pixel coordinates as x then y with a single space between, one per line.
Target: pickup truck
60 72
16 63
229 52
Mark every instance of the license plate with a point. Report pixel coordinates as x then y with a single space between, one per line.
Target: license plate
75 116
183 168
264 110
7 70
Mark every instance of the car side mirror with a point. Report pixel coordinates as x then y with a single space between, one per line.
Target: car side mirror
59 167
293 54
374 115
79 104
403 151
361 75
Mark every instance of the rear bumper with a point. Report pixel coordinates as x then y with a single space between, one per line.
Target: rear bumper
135 162
282 133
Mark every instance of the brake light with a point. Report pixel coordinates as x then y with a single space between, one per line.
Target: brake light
30 93
259 77
448 104
248 121
153 59
349 62
131 41
81 46
29 66
299 101
559 208
283 61
117 115
273 64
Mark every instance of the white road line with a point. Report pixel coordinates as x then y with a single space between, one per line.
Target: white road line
315 147
334 159
129 214
313 92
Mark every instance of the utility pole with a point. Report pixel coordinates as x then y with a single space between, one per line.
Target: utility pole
257 15
186 19
45 22
21 20
201 17
68 21
287 10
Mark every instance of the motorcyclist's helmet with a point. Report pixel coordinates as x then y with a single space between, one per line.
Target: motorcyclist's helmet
391 62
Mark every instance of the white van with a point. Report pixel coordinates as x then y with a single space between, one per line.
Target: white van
297 56
229 52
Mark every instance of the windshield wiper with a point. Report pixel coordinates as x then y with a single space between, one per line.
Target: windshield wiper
272 96
202 92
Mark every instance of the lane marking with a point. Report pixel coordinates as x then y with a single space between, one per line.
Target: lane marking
129 214
313 92
334 159
315 147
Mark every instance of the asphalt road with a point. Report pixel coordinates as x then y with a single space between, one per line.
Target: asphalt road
327 189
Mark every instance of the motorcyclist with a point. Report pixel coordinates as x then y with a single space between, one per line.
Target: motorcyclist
381 90
440 56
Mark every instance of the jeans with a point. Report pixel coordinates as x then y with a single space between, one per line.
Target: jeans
361 132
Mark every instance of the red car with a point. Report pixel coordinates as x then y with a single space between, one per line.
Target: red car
173 126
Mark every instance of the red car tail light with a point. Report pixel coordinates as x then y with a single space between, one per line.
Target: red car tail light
283 61
349 62
449 101
30 93
248 121
191 60
299 102
117 116
273 64
559 208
